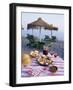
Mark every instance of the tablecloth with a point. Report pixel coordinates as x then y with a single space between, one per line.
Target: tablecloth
36 70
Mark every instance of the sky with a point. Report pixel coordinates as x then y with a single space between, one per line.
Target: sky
51 18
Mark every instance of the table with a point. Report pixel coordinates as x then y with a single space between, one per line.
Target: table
35 70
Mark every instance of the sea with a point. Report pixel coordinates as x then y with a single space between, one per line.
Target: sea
41 34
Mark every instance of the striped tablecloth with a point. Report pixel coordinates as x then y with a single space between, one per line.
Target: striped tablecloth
36 70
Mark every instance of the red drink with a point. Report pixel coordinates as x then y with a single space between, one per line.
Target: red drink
45 51
55 55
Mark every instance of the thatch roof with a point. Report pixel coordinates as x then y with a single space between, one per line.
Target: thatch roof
41 23
51 27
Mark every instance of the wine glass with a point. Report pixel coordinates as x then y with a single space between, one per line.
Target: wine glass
45 50
55 55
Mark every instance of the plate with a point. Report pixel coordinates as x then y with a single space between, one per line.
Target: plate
44 61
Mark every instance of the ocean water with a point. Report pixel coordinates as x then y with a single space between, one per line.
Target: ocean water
36 32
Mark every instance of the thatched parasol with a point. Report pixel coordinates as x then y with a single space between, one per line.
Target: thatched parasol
51 28
39 23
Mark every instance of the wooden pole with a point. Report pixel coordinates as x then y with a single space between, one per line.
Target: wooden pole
40 34
51 33
32 31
